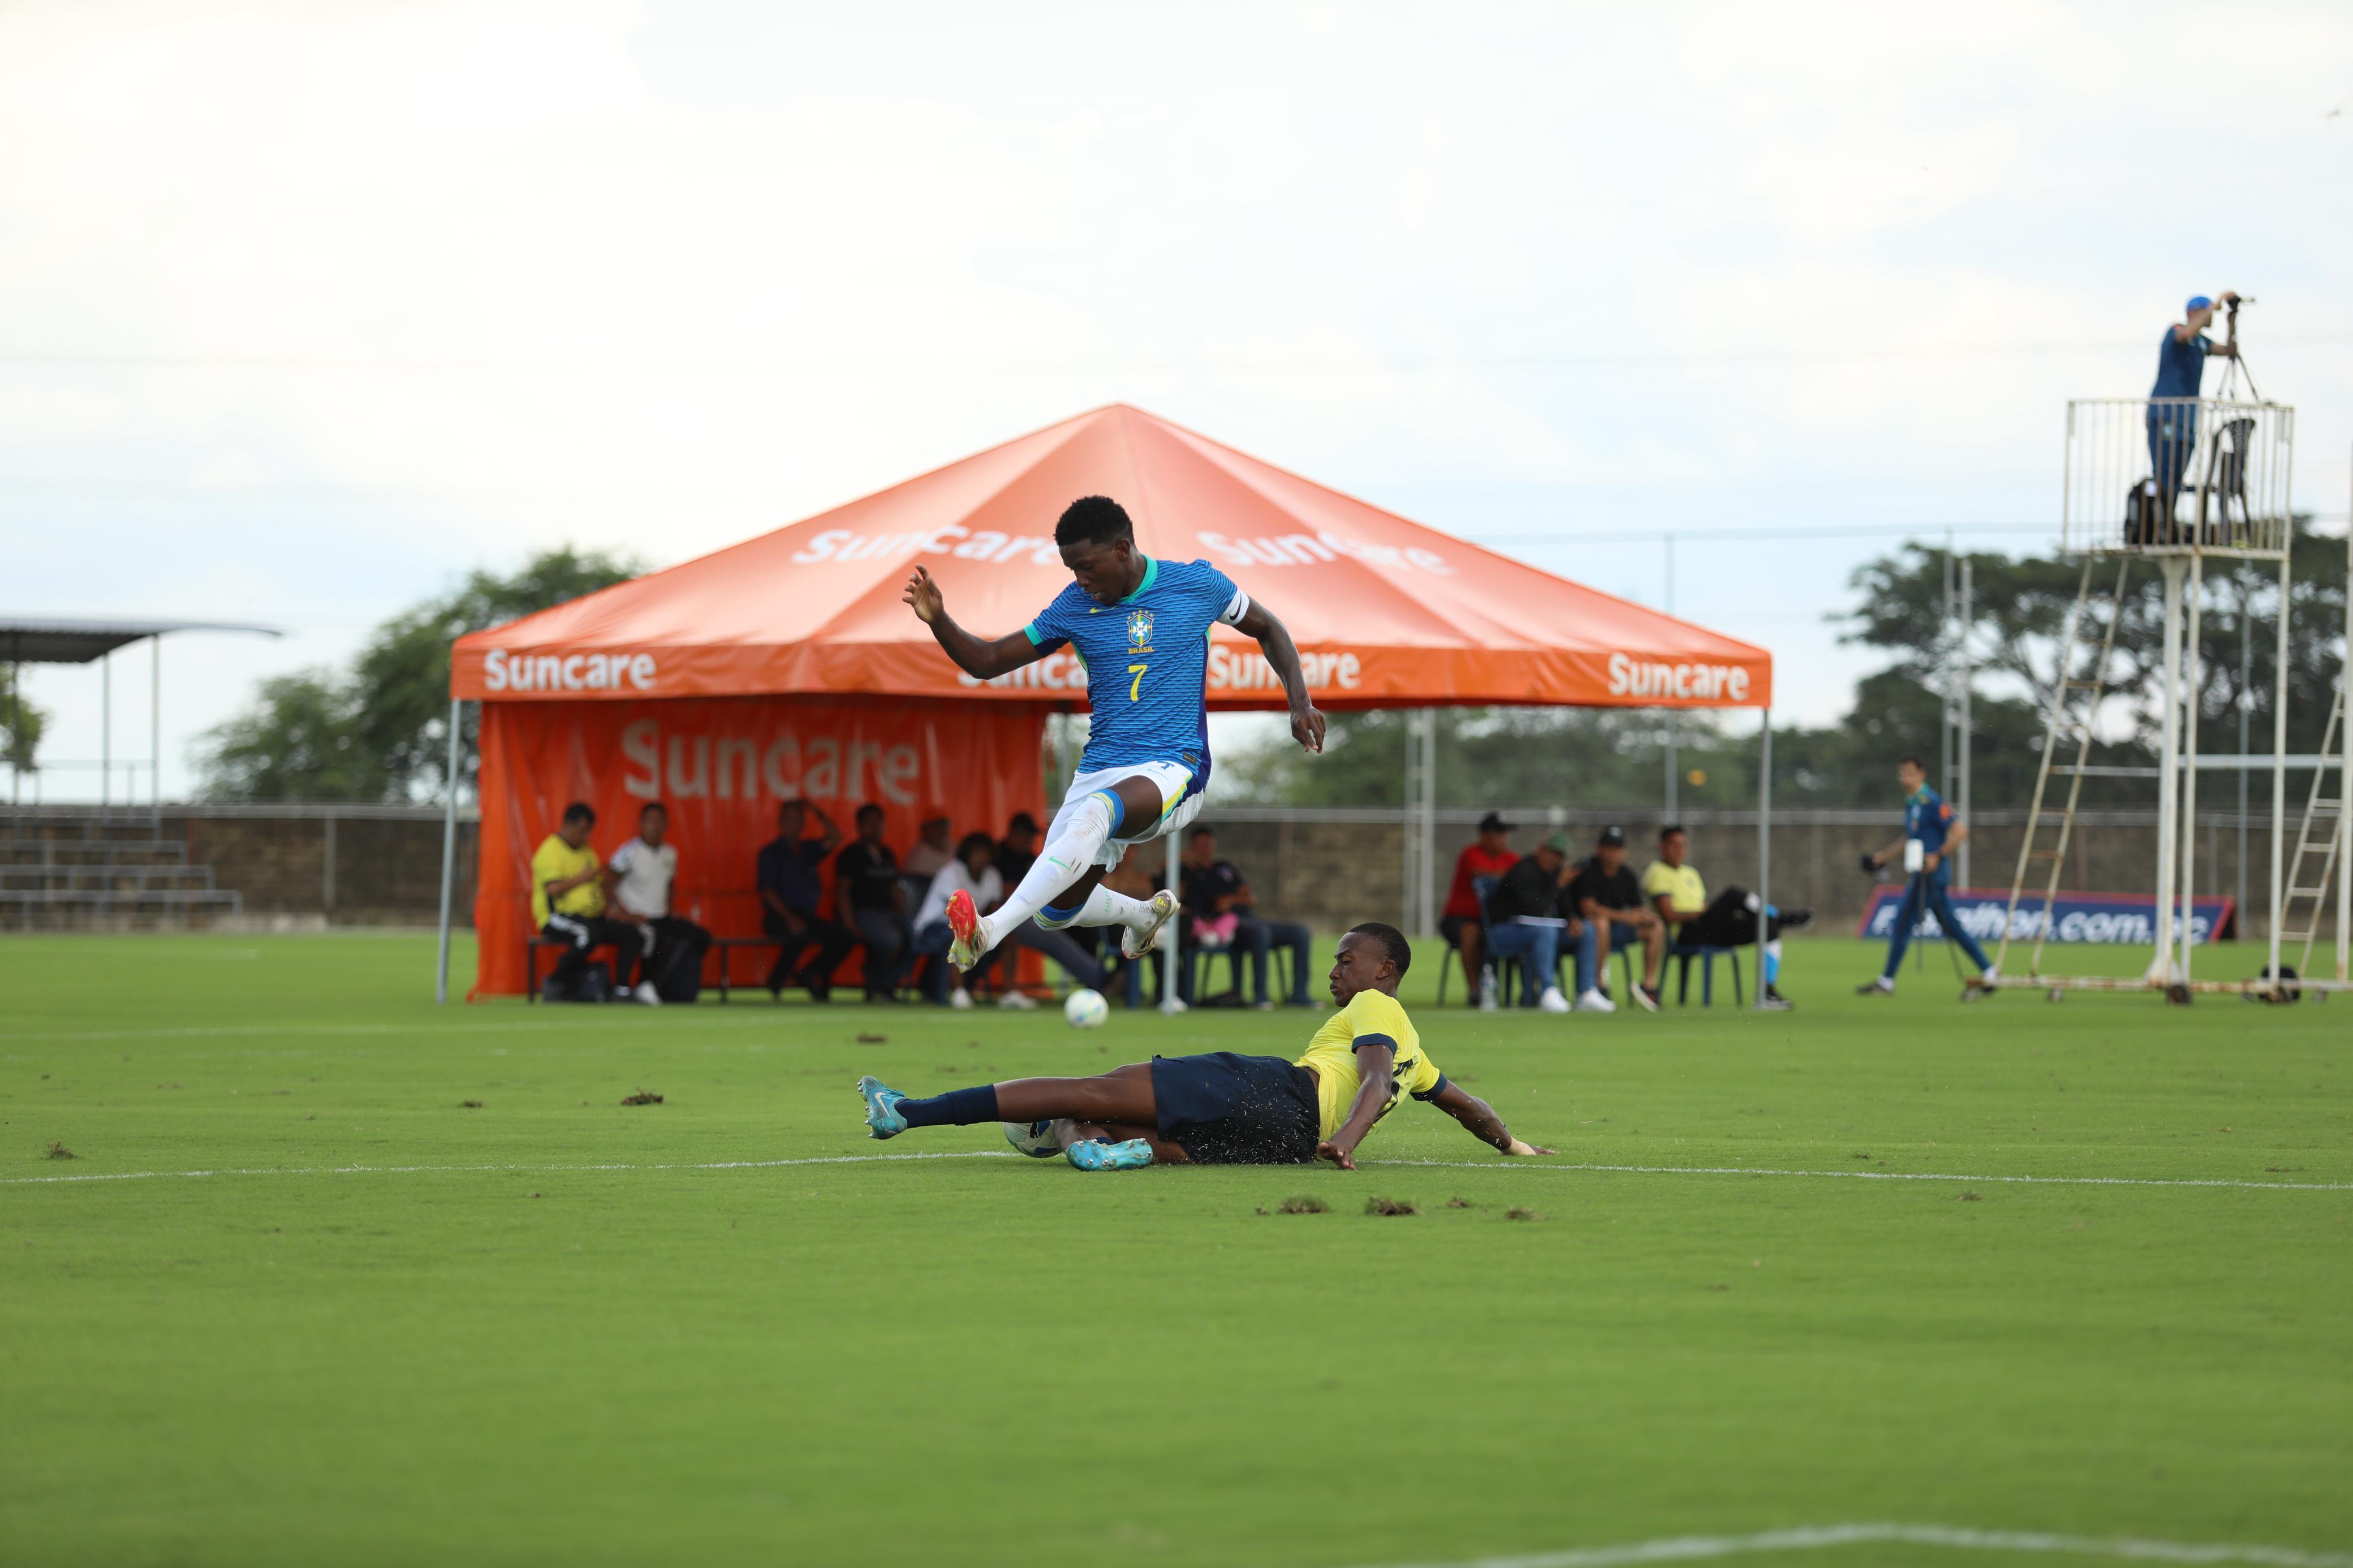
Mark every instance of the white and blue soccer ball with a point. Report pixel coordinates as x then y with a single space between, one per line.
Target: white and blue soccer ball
1035 1138
1085 1009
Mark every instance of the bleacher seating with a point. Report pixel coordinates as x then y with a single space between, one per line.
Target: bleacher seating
59 870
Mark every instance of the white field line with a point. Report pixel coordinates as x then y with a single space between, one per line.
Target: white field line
1693 1548
1007 1154
512 1027
481 1170
1540 1164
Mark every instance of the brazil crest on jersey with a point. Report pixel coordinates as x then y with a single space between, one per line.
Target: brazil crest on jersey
1146 658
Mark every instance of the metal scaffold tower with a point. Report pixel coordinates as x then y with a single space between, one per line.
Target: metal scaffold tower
2201 479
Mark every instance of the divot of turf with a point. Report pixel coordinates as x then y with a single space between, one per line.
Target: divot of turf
1968 1198
1388 1206
866 1038
1522 1213
643 1097
1302 1203
58 1150
470 1105
1461 1204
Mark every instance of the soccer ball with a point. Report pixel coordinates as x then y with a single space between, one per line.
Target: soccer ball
1085 1009
1035 1138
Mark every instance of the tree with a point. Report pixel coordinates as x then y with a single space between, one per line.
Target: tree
21 723
2016 624
381 732
299 741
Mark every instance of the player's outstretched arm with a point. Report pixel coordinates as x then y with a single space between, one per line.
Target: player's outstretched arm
1376 1064
978 657
1275 641
1479 1120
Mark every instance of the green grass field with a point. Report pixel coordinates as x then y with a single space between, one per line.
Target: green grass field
341 1317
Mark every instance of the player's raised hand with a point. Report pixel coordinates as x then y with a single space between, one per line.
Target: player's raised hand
1344 1158
922 595
1307 729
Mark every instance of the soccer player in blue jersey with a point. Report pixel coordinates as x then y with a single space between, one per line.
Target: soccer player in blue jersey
1141 627
1933 824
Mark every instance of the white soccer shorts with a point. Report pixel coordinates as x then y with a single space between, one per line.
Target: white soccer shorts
1176 811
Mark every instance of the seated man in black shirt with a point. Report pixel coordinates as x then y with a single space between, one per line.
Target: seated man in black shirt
1214 889
1018 851
873 903
1609 896
1529 915
791 890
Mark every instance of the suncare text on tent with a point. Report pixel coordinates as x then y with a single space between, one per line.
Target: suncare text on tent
1631 677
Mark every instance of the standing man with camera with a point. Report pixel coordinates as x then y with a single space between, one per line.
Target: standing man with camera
2180 374
1932 830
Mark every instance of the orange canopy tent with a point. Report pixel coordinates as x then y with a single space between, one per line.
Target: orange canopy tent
579 699
1393 614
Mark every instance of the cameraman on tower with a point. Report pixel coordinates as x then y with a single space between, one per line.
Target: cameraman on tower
2180 369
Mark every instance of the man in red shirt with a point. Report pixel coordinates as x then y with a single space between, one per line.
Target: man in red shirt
1489 856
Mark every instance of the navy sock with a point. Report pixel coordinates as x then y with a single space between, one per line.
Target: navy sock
956 1108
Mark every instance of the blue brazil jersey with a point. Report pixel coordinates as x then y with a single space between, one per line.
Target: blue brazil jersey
1928 819
1147 659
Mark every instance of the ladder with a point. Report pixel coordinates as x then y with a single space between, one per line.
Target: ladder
2315 857
2075 702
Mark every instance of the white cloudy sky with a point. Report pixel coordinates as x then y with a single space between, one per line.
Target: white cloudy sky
304 309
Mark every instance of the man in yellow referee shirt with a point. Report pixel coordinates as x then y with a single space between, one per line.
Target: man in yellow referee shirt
1672 885
1223 1108
568 901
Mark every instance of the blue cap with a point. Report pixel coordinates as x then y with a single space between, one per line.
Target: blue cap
2198 302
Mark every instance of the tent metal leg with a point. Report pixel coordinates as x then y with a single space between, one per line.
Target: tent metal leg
1764 852
449 858
1172 951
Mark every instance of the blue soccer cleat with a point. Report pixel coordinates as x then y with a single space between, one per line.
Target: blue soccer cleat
1094 1154
882 1118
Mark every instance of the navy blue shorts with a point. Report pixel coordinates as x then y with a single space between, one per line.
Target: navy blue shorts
1228 1109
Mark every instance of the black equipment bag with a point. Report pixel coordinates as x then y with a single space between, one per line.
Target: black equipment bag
676 969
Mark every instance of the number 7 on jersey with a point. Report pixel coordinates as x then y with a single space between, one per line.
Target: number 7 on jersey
1136 686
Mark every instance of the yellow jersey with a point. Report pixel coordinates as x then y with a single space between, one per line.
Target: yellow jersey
1679 886
1370 1015
555 861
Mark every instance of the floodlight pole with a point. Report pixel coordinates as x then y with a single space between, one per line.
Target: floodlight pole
155 732
1764 854
449 858
1969 718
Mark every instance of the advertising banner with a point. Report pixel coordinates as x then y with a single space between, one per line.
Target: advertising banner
2127 920
721 766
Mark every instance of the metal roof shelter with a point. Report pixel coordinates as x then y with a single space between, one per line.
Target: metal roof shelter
46 639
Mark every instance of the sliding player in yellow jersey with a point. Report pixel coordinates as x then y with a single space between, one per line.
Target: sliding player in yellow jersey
1223 1108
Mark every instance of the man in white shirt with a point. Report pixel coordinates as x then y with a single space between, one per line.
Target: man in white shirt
969 870
638 881
973 871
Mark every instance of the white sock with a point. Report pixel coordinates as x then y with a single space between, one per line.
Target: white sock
1064 858
1105 907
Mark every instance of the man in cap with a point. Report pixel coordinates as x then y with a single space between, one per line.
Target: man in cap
1528 916
1609 897
1489 855
2180 370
